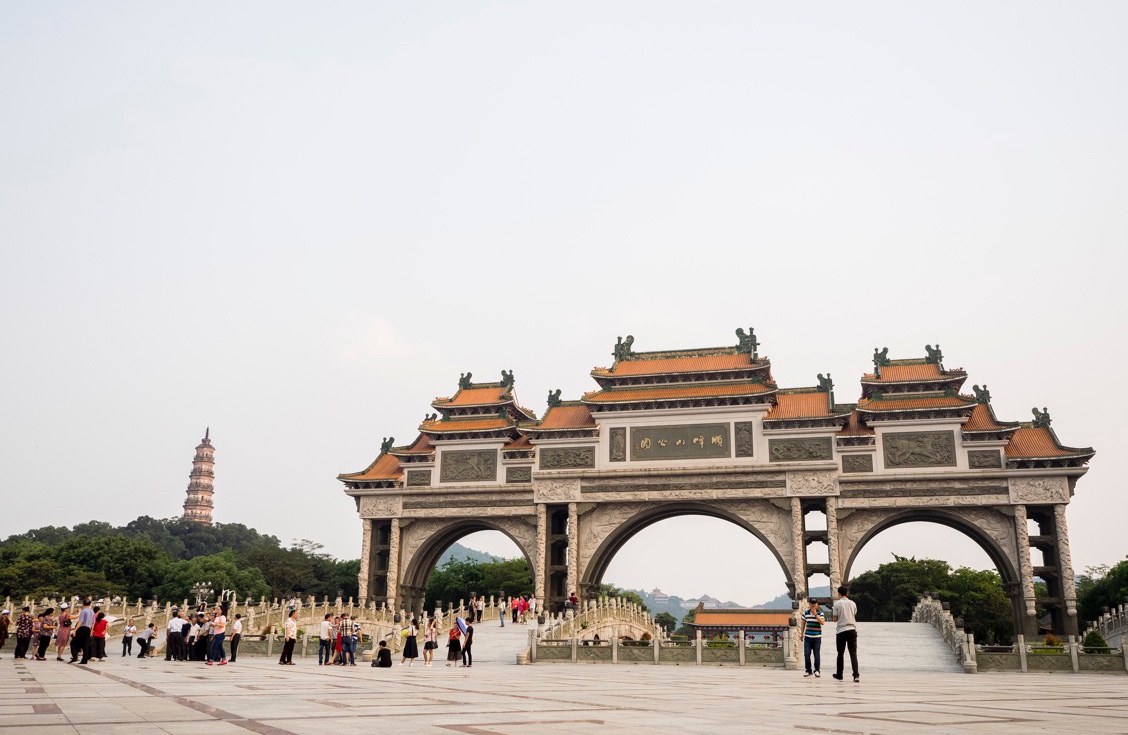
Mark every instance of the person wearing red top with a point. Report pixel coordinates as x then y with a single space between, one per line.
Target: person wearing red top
523 607
98 636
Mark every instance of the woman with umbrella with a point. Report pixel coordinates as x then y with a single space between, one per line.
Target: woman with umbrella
454 646
410 645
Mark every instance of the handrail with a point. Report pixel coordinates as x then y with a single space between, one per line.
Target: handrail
931 610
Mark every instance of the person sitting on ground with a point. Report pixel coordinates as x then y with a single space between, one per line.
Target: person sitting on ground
383 658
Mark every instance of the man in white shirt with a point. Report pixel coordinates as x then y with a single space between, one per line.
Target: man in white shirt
325 642
845 614
291 629
236 635
174 639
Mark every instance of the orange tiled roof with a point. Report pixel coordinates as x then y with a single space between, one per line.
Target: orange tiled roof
476 397
422 445
689 364
906 373
800 406
903 404
982 420
854 427
386 467
521 442
465 425
1038 442
674 392
744 617
566 417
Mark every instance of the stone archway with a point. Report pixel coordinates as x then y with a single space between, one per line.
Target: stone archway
608 527
424 541
992 529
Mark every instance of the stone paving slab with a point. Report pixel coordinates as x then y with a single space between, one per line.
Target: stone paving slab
127 696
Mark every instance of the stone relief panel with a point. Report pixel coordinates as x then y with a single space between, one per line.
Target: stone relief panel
745 439
416 478
655 443
618 445
518 474
800 450
906 449
556 491
932 501
986 459
380 507
1034 490
469 465
857 463
811 483
562 458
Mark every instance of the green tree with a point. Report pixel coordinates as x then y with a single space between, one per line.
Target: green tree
610 590
667 621
134 566
1109 590
221 570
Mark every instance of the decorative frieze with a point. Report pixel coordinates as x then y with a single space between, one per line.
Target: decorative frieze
857 463
566 458
893 490
1035 490
556 491
518 474
907 449
984 459
757 484
702 441
416 478
618 445
811 483
745 443
801 450
380 507
469 465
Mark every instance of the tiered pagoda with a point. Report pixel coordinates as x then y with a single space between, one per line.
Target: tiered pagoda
198 506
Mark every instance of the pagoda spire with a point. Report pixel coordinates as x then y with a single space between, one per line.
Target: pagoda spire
198 506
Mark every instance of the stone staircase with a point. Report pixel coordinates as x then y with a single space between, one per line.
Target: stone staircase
893 647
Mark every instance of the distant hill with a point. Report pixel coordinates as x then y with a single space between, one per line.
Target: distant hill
678 606
460 552
783 602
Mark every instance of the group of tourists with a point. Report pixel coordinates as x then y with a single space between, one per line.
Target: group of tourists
844 615
337 641
83 633
459 643
199 635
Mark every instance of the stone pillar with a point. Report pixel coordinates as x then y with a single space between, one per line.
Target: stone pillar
832 544
1025 572
365 575
1065 569
393 563
539 565
798 549
573 549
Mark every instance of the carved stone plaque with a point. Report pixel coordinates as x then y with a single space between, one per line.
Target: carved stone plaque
556 491
800 450
745 439
650 443
984 460
857 463
560 458
618 445
518 474
472 465
811 483
1039 490
418 477
919 449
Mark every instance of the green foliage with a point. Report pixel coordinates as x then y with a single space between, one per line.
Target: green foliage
220 570
667 621
610 590
1095 643
890 592
458 578
1096 591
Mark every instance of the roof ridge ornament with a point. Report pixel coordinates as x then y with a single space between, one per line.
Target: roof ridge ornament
554 398
1041 418
464 380
826 385
623 348
747 342
982 395
507 379
935 356
386 445
880 359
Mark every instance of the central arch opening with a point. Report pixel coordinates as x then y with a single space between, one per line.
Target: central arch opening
679 560
470 561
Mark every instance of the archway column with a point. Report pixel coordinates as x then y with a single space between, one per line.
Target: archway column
798 549
1029 623
364 578
1065 568
393 563
540 560
833 551
573 548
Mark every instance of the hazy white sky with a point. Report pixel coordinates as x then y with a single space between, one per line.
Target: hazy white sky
299 223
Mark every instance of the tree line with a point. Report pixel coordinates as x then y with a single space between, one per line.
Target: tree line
164 559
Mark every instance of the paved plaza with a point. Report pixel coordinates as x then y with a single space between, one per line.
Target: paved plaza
131 697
